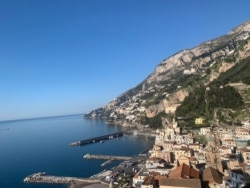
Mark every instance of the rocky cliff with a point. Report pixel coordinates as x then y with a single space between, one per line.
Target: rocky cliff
176 76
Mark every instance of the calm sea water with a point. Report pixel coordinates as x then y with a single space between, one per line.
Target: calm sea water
36 145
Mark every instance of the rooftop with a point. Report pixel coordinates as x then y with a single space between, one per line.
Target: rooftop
184 171
212 175
164 181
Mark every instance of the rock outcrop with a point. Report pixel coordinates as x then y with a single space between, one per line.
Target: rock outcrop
176 76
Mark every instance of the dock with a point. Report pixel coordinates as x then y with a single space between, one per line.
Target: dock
107 162
99 139
107 157
41 177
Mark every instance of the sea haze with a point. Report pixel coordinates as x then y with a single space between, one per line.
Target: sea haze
29 146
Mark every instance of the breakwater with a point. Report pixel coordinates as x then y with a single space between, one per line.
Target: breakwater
106 157
41 177
97 139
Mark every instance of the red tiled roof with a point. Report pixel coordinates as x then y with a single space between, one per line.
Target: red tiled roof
160 177
212 175
187 183
184 171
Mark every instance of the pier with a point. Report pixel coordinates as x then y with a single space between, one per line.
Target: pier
107 162
41 177
107 157
97 139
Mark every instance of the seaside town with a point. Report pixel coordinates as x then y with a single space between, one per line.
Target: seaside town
177 161
208 157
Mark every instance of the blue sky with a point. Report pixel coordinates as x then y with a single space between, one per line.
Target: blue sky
71 56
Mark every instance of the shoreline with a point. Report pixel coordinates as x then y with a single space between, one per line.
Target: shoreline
94 181
98 180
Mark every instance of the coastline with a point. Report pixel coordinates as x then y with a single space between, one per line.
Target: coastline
98 180
54 156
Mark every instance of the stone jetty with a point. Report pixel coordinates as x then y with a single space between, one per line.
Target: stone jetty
107 157
106 162
97 139
41 177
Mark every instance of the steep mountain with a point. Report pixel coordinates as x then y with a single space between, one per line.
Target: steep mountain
205 75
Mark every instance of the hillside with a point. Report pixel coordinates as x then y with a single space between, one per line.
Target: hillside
191 83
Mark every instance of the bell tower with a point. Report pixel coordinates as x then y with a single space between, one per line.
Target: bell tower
213 158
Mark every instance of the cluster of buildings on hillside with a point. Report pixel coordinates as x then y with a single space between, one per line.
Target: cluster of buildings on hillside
129 109
176 161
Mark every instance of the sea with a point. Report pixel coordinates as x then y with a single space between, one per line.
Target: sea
42 145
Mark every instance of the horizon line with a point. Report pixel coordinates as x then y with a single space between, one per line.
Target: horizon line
41 117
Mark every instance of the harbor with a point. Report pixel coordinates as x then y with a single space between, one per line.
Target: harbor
99 139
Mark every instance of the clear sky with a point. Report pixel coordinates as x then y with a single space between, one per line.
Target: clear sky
71 56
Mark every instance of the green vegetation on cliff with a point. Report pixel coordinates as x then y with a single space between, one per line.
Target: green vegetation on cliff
202 101
154 122
238 73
